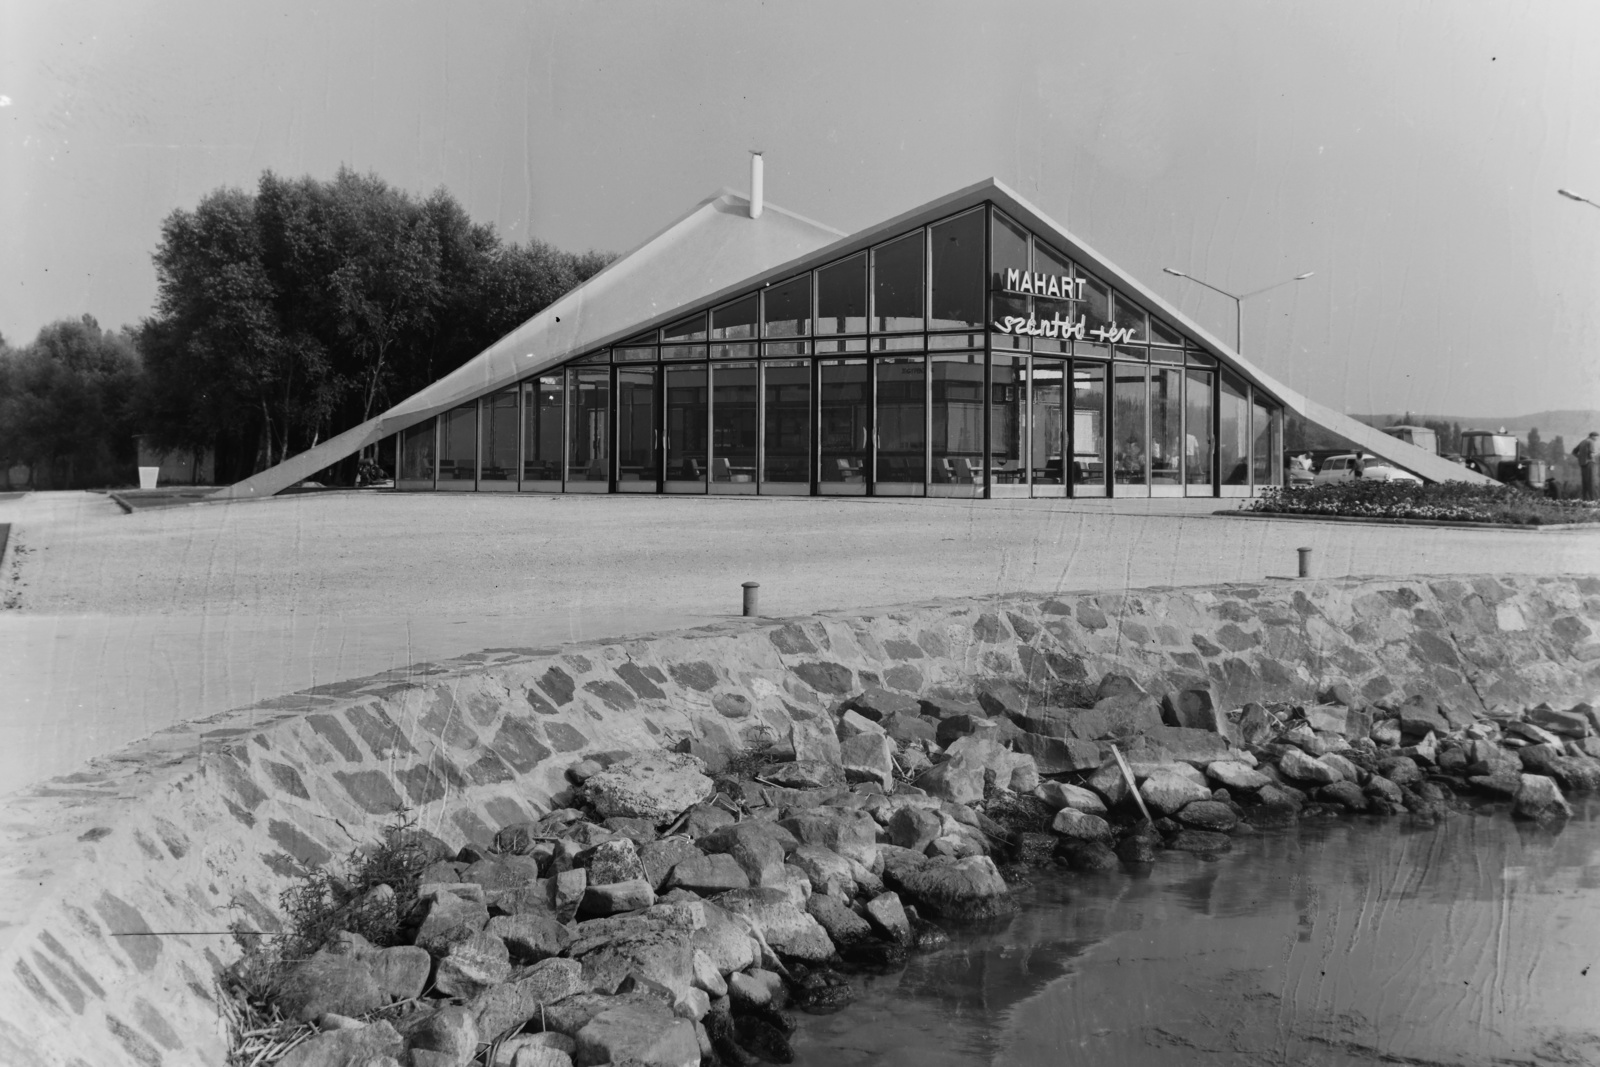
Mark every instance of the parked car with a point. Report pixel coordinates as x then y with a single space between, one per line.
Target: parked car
1349 465
1297 470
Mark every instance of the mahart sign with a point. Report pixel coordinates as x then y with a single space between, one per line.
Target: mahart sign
1054 287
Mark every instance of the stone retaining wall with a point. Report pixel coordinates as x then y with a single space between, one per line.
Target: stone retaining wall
123 876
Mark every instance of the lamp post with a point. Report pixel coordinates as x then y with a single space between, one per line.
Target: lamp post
1570 195
1238 299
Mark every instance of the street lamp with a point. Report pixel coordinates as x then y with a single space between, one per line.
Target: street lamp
1570 195
1238 298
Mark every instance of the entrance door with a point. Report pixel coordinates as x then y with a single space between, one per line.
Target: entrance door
687 416
1130 430
1088 469
844 412
900 462
638 431
1048 426
786 427
735 421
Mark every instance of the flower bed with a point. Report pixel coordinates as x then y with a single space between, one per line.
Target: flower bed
1445 502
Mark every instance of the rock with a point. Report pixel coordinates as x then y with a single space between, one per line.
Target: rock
707 975
1385 733
1119 688
639 831
616 860
617 897
757 846
914 828
659 857
1208 815
888 917
450 918
868 757
1421 715
827 871
1345 769
1088 855
1302 768
525 1054
340 983
473 965
1346 794
1236 776
1275 807
1056 755
1503 781
804 774
958 890
1200 842
529 936
852 834
843 926
708 874
1195 709
640 1033
955 782
1167 791
570 888
703 819
1080 826
748 992
502 872
725 939
1110 783
1532 733
1339 692
913 729
1401 770
1563 723
1060 795
378 1044
1539 798
656 785
452 1031
514 1002
1255 726
1384 789
1136 849
784 925
878 704
583 770
853 724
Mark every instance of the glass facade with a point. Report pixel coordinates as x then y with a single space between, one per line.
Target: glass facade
964 357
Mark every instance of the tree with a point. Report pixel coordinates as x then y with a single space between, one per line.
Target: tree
65 405
1554 452
292 314
1535 445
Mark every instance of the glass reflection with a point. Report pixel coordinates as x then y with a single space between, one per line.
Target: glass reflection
500 436
734 414
542 404
1166 425
842 296
786 308
1047 396
897 284
416 452
1008 422
1129 422
1197 429
1089 427
957 270
787 427
636 424
843 418
1233 438
458 444
1266 453
589 454
958 419
686 422
901 418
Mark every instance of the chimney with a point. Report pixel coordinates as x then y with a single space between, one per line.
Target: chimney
755 185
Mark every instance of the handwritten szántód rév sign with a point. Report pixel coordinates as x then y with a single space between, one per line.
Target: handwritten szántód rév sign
1057 287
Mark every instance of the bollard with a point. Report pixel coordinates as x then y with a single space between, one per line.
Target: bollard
751 602
1305 562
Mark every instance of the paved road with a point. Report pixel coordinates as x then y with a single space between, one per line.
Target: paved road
130 623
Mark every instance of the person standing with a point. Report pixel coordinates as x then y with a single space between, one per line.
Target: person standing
1586 456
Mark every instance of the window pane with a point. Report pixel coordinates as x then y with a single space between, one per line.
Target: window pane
500 436
1130 448
786 308
957 261
684 352
634 355
541 431
686 422
1096 305
1088 423
1164 334
416 452
1233 444
901 423
735 321
692 328
636 424
842 296
458 443
1266 453
788 422
1166 425
1130 317
958 419
1007 418
1010 250
588 451
1047 394
897 284
1197 428
843 415
1055 299
734 412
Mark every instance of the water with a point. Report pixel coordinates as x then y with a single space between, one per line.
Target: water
1340 943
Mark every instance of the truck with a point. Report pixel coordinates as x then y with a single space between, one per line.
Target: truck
1499 455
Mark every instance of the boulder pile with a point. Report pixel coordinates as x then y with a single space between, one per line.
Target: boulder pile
684 900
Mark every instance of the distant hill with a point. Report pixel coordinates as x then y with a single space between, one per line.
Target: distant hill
1568 424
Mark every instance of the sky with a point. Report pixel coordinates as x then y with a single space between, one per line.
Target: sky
1406 153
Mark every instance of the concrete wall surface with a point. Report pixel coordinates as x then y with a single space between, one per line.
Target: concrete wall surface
122 879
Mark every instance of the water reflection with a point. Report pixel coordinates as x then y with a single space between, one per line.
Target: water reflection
1349 942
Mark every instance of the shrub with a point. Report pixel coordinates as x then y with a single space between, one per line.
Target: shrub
1442 502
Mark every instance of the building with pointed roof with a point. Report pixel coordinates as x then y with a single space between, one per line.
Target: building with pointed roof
969 347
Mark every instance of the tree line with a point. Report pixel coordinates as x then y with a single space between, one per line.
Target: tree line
283 316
